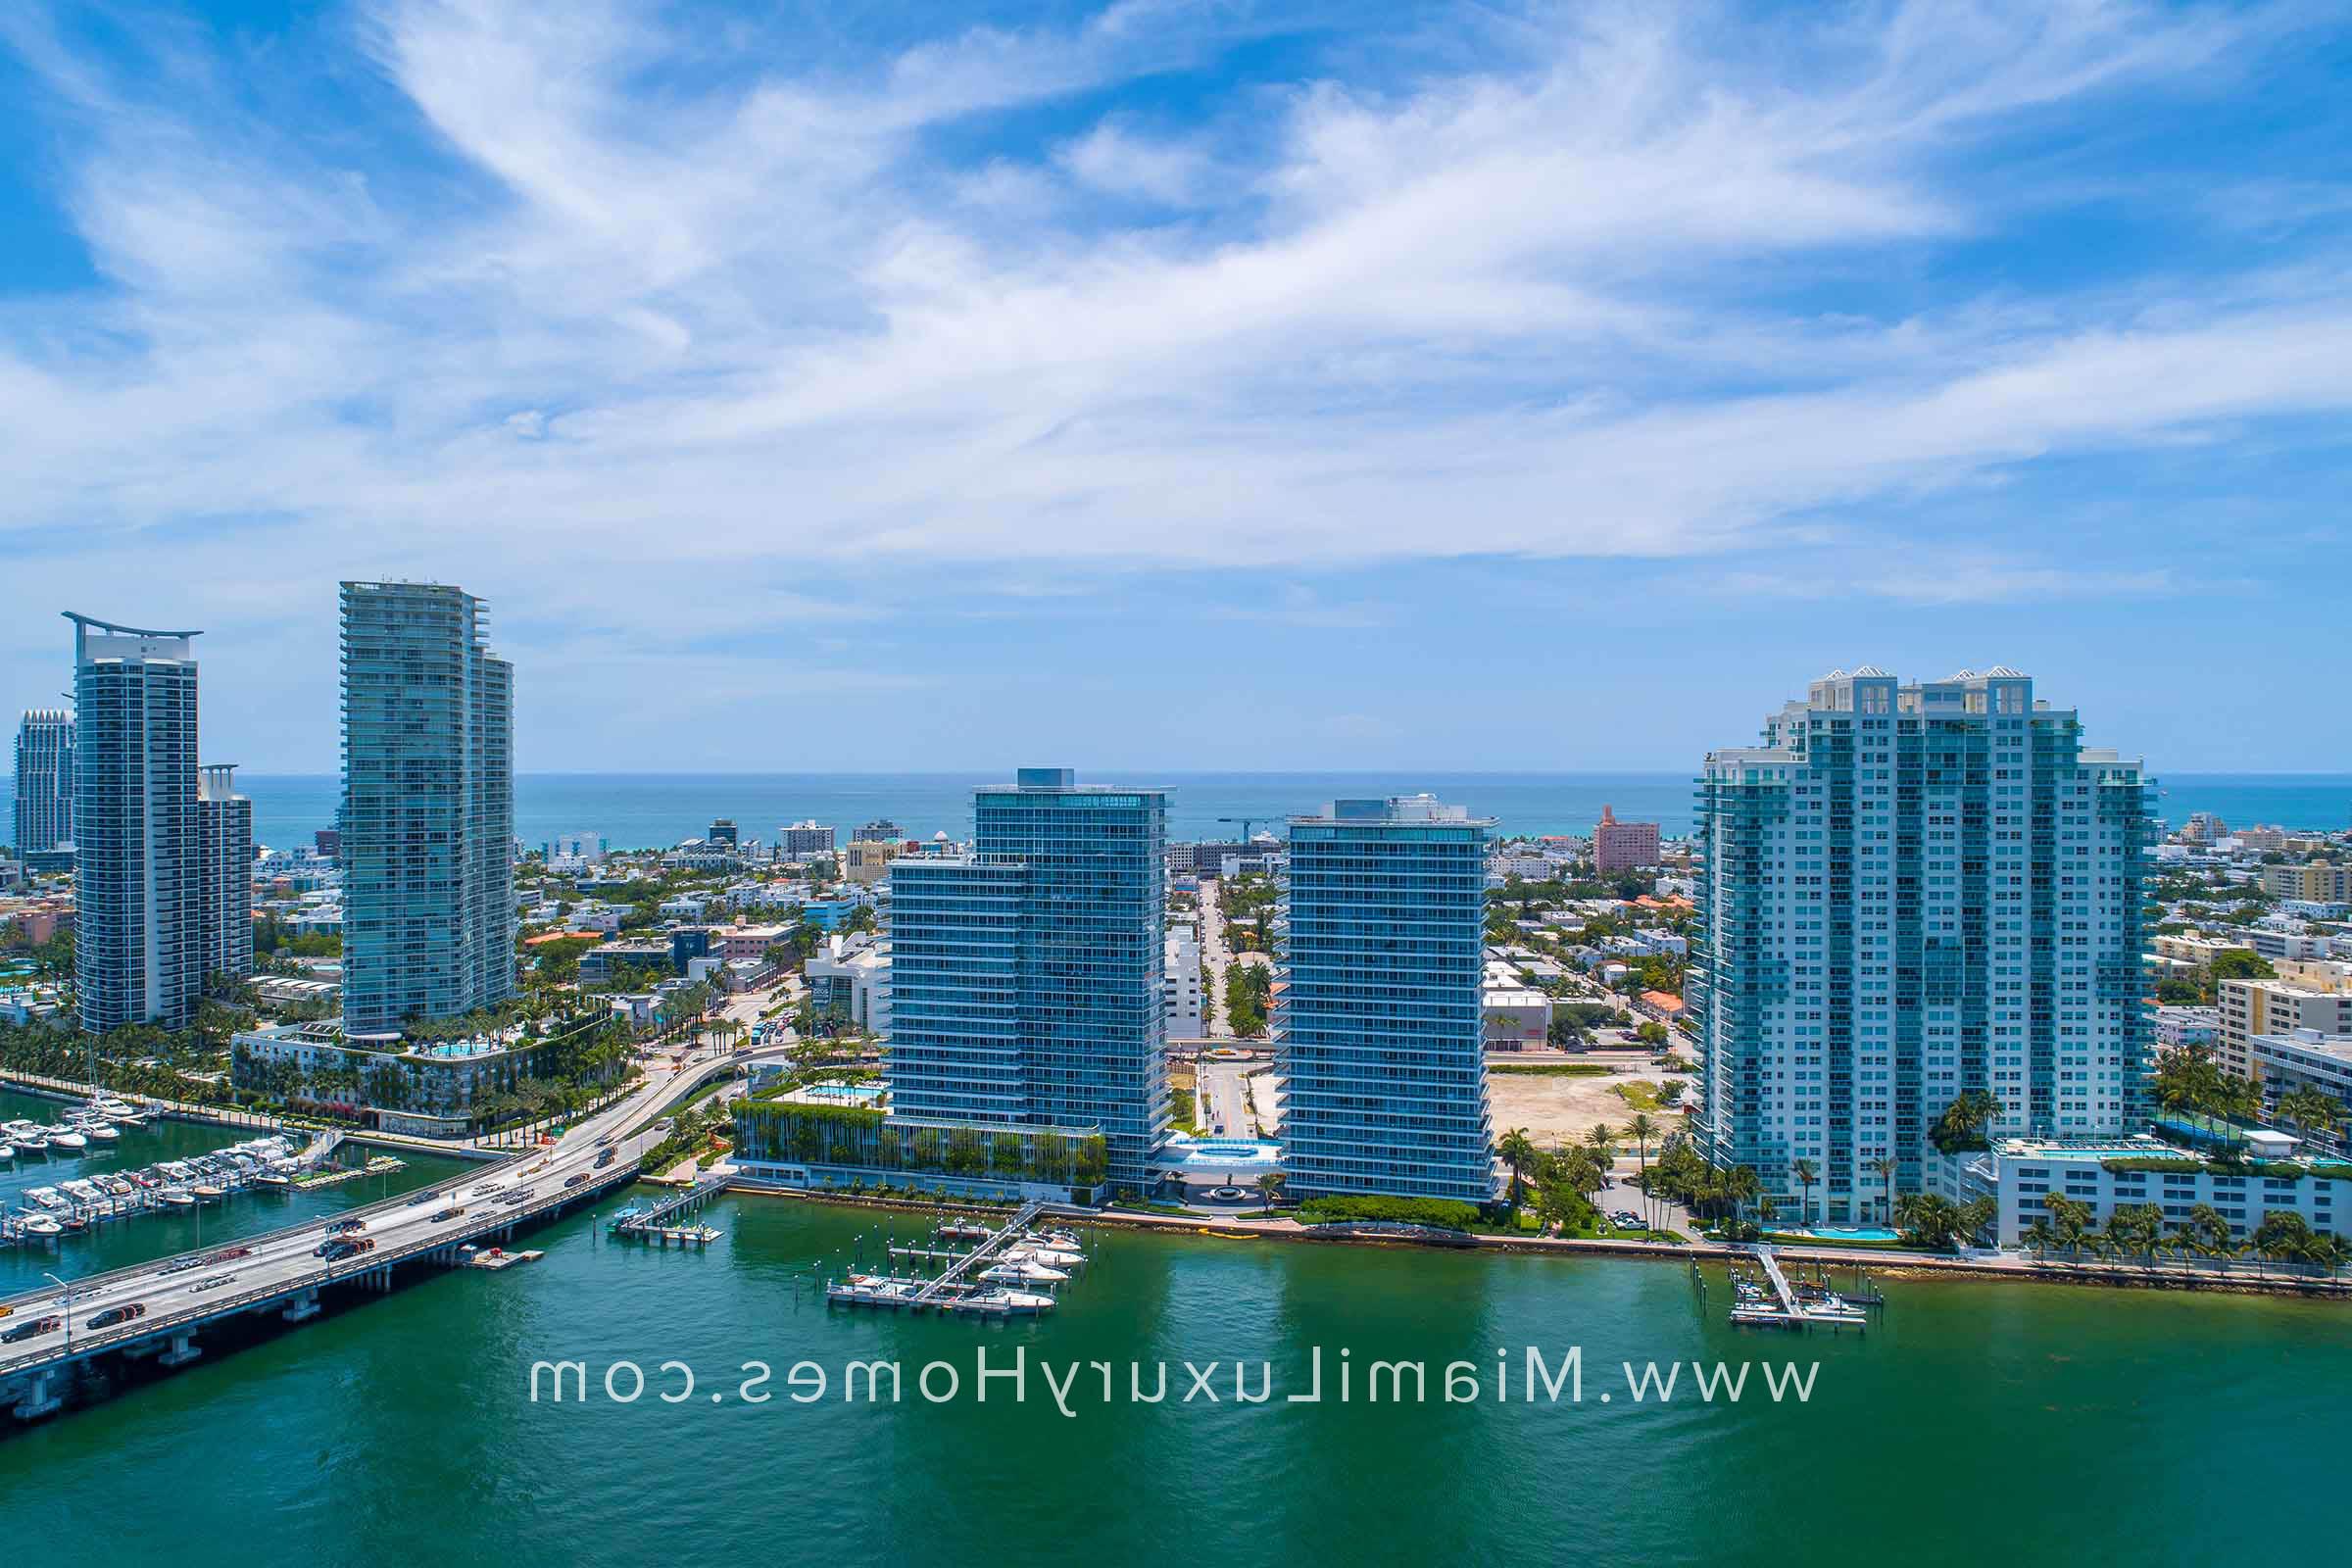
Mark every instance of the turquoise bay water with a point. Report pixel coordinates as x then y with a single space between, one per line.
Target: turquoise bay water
2027 1423
649 810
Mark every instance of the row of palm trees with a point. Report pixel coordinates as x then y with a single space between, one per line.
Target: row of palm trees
1565 1180
2138 1230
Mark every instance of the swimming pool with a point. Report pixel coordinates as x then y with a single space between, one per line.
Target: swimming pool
857 1091
1839 1233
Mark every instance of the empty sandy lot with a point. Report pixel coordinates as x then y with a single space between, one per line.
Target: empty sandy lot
1565 1109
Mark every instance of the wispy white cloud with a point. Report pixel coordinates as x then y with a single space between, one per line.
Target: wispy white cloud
549 300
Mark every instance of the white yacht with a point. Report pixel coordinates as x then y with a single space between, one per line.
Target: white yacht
103 1132
1025 1274
41 1225
178 1196
47 1198
1020 1304
65 1138
82 1191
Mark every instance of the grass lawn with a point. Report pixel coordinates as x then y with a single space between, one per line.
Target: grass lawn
1638 1095
1868 1244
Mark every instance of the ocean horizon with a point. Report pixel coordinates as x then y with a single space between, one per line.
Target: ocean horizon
652 810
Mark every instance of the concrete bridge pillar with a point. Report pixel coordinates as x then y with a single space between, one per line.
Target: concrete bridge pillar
183 1349
302 1307
41 1395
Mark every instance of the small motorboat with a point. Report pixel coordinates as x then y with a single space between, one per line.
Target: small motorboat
178 1196
65 1138
8 1151
209 1192
41 1225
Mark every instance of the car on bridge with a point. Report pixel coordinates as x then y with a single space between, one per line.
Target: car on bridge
113 1315
33 1328
444 1216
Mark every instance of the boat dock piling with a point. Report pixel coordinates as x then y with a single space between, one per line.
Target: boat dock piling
1786 1307
651 1224
958 1288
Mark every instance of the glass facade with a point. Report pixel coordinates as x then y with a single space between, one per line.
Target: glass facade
138 917
1026 977
428 807
44 817
1378 1024
224 880
1911 893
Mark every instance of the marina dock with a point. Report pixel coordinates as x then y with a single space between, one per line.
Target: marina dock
653 1222
1772 1302
973 1283
74 1206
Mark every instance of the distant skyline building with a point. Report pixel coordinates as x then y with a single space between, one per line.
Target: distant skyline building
138 946
44 805
1905 894
224 876
804 841
1379 1021
1623 846
724 831
1027 981
428 807
881 830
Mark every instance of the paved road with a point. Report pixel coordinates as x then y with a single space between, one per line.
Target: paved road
1214 957
285 1259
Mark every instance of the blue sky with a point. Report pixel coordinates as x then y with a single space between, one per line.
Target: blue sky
1209 385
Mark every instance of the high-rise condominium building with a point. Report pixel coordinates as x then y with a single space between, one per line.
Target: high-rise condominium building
1908 893
428 807
1026 983
225 873
1378 1022
138 947
44 780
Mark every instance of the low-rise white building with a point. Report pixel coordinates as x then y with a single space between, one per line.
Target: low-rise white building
1181 986
1517 1018
2179 1027
849 983
2020 1174
2304 1058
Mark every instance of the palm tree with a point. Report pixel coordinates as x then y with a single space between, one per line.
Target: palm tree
1603 1144
1883 1168
1518 1152
1642 1129
1267 1185
2040 1237
1740 1185
1806 1175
